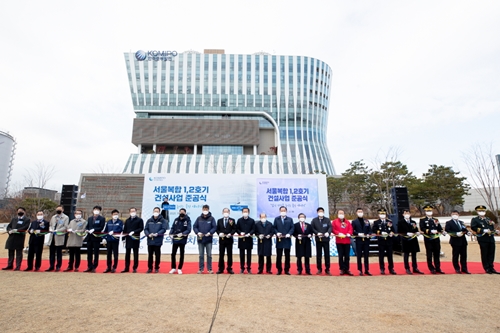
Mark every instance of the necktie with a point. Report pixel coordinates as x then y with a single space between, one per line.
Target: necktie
225 223
458 225
302 227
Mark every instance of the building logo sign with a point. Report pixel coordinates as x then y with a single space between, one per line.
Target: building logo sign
155 55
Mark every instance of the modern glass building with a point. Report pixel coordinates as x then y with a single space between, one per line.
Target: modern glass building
213 112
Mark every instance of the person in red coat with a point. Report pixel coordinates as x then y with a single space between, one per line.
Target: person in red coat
342 229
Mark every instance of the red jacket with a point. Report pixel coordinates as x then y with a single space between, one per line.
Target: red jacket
337 228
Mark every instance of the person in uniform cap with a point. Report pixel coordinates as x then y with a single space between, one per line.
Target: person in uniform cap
485 232
303 233
457 231
384 230
408 229
432 230
362 230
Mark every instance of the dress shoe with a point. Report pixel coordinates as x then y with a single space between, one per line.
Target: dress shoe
50 269
259 272
417 271
458 271
408 272
299 273
150 270
37 269
349 273
494 271
7 268
124 271
279 273
68 269
88 270
249 271
342 273
230 271
242 271
319 272
328 273
440 272
28 269
157 270
287 273
17 268
360 273
107 270
113 270
135 270
269 272
393 272
308 273
219 272
76 269
489 272
93 270
368 273
466 272
382 271
58 269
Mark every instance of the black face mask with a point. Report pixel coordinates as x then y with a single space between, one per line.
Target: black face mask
20 213
58 211
182 215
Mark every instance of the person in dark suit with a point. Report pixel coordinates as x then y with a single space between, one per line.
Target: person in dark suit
226 228
15 243
283 227
322 228
264 231
408 229
303 233
484 229
362 230
36 240
133 227
457 231
245 228
96 223
432 229
384 230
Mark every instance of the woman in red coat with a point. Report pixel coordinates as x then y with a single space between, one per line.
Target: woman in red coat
342 229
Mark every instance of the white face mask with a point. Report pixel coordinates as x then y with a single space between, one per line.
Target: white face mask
40 217
78 216
97 212
302 219
321 214
407 216
382 216
360 214
115 217
133 214
155 214
341 216
481 213
245 214
455 217
263 220
428 213
205 212
225 214
283 214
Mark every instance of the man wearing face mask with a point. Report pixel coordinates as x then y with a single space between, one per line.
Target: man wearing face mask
226 228
155 229
485 232
342 229
58 226
181 228
17 234
457 231
76 231
362 229
133 227
432 230
322 228
114 226
409 231
204 227
384 230
95 224
245 228
264 231
283 227
37 229
303 234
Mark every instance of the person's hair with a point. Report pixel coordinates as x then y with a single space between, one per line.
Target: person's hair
406 210
183 209
286 210
359 208
157 208
59 206
38 211
115 211
97 207
301 214
22 208
78 210
205 207
340 210
320 208
223 209
132 208
455 211
260 215
246 208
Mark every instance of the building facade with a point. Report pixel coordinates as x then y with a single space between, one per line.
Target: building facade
213 112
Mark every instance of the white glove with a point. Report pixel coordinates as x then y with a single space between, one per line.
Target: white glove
91 231
268 236
70 230
179 234
207 234
130 233
287 235
261 236
10 232
31 231
487 231
309 235
73 231
51 229
418 233
37 231
498 232
242 234
221 234
348 235
384 233
341 235
247 235
110 233
459 234
278 234
361 234
104 242
319 234
410 234
299 236
434 231
200 234
327 234
445 233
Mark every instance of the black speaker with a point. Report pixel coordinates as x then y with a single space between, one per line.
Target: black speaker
69 195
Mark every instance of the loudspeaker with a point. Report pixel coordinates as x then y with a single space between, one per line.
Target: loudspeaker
69 195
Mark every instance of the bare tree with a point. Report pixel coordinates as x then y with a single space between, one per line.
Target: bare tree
484 173
39 175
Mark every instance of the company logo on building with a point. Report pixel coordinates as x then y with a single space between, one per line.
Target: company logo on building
155 55
157 179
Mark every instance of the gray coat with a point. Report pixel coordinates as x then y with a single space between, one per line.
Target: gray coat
58 224
78 226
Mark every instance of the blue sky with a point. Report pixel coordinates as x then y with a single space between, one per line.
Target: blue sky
422 76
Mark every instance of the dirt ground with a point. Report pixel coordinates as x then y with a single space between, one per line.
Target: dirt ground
56 302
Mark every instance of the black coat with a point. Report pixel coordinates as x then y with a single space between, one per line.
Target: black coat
303 246
427 224
97 223
409 245
136 225
265 245
229 229
16 241
246 226
43 226
180 226
379 227
452 227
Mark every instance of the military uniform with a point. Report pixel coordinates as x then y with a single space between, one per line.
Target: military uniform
485 231
432 242
384 229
